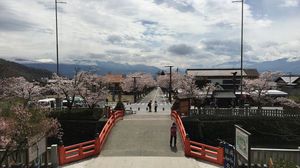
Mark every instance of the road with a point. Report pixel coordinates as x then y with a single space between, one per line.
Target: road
164 106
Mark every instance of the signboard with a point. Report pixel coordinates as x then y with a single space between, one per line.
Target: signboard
241 143
229 155
242 146
37 147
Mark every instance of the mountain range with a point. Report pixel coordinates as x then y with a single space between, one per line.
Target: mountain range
36 70
101 68
282 65
12 69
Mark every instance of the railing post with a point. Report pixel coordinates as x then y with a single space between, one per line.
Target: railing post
220 156
61 153
80 152
97 144
187 146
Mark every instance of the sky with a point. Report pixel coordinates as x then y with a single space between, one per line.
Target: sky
183 33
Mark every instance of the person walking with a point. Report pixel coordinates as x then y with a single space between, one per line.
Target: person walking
155 106
149 105
173 131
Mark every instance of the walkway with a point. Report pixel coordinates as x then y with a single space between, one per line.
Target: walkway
142 140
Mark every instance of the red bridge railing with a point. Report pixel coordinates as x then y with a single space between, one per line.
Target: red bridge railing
196 149
68 154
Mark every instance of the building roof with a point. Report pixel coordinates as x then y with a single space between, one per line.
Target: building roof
222 72
273 92
224 94
113 78
276 92
289 79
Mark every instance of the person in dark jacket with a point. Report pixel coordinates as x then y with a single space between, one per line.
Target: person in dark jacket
173 131
155 106
149 105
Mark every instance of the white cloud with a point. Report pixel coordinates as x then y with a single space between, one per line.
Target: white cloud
290 3
46 60
142 31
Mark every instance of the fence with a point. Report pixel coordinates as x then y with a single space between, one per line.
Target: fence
263 155
90 148
20 158
196 149
246 112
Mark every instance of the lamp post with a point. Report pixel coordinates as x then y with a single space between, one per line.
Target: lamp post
56 28
170 83
242 48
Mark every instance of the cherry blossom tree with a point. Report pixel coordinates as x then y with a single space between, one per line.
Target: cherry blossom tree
66 88
143 81
286 102
138 83
18 129
258 88
186 85
163 81
92 89
21 88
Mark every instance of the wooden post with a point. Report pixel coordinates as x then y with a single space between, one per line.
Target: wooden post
55 155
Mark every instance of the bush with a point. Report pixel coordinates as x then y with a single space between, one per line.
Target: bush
120 106
78 114
282 163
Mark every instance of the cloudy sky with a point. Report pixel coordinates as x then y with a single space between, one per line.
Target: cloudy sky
184 33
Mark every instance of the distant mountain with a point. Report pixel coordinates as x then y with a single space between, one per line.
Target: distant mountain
12 69
101 68
282 65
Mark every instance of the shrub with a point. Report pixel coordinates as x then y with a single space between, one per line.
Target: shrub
120 106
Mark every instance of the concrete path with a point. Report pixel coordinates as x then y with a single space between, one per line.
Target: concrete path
164 106
141 140
142 135
141 162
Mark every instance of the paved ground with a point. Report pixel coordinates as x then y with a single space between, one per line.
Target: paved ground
142 135
142 140
164 106
141 162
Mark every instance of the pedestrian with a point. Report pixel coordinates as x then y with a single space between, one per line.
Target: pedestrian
155 106
173 131
149 105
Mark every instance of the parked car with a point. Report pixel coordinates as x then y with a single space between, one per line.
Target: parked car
47 103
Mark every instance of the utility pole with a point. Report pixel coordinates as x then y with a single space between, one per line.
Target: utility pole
234 86
134 87
242 48
56 28
170 84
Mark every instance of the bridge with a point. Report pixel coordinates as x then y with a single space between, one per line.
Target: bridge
140 140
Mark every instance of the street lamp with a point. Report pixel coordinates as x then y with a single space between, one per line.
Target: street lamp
56 28
170 83
242 48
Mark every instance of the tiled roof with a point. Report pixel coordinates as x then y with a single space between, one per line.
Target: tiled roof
222 72
288 79
114 78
